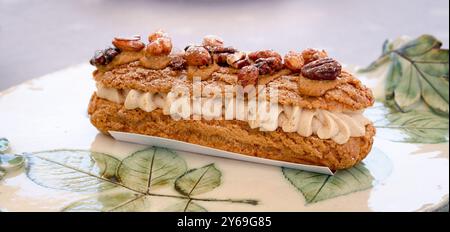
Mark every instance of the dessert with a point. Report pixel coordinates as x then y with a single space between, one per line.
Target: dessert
301 107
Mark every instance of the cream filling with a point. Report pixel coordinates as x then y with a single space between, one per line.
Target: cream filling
337 126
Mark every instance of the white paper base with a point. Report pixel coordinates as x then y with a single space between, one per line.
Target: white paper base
183 146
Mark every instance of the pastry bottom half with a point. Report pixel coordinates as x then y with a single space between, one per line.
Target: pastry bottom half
232 135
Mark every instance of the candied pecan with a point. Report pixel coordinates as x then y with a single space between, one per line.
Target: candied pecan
237 59
217 50
264 54
177 62
293 61
221 59
212 41
322 69
248 75
104 57
128 44
197 56
309 55
268 65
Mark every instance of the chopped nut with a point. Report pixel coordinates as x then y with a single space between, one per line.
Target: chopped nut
322 69
156 35
233 59
212 41
264 54
268 65
248 75
104 57
132 44
309 55
221 59
177 62
159 46
197 56
293 61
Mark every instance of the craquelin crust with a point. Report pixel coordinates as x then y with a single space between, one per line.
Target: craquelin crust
230 135
344 94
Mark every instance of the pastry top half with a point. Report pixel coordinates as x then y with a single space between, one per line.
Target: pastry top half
314 95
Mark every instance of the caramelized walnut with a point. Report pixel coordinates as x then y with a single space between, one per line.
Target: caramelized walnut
309 55
293 61
160 44
157 34
268 65
132 44
237 60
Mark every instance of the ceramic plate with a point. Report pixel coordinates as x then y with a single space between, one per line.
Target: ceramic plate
66 165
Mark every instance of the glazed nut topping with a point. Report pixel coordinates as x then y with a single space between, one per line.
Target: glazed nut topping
156 35
309 55
264 54
212 41
104 57
128 44
197 56
293 61
322 69
248 75
159 46
234 59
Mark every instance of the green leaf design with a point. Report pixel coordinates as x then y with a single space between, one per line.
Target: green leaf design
110 202
4 145
420 45
11 161
418 73
2 174
72 170
411 127
197 181
150 167
317 187
185 206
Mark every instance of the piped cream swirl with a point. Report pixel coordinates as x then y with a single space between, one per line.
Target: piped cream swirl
337 126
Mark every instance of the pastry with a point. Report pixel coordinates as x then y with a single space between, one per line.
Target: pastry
301 108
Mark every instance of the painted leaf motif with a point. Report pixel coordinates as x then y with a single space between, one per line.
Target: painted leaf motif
407 93
2 174
412 127
317 187
185 206
418 73
110 202
4 145
72 170
11 161
150 167
422 44
197 181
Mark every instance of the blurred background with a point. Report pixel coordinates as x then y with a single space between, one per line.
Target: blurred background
38 37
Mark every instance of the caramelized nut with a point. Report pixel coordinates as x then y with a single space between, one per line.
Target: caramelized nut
268 65
309 55
132 44
197 56
248 75
177 62
159 46
264 54
293 61
212 41
322 69
156 35
233 59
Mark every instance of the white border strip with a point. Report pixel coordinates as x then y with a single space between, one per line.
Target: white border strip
189 147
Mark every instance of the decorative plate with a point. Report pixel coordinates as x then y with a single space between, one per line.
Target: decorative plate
53 159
